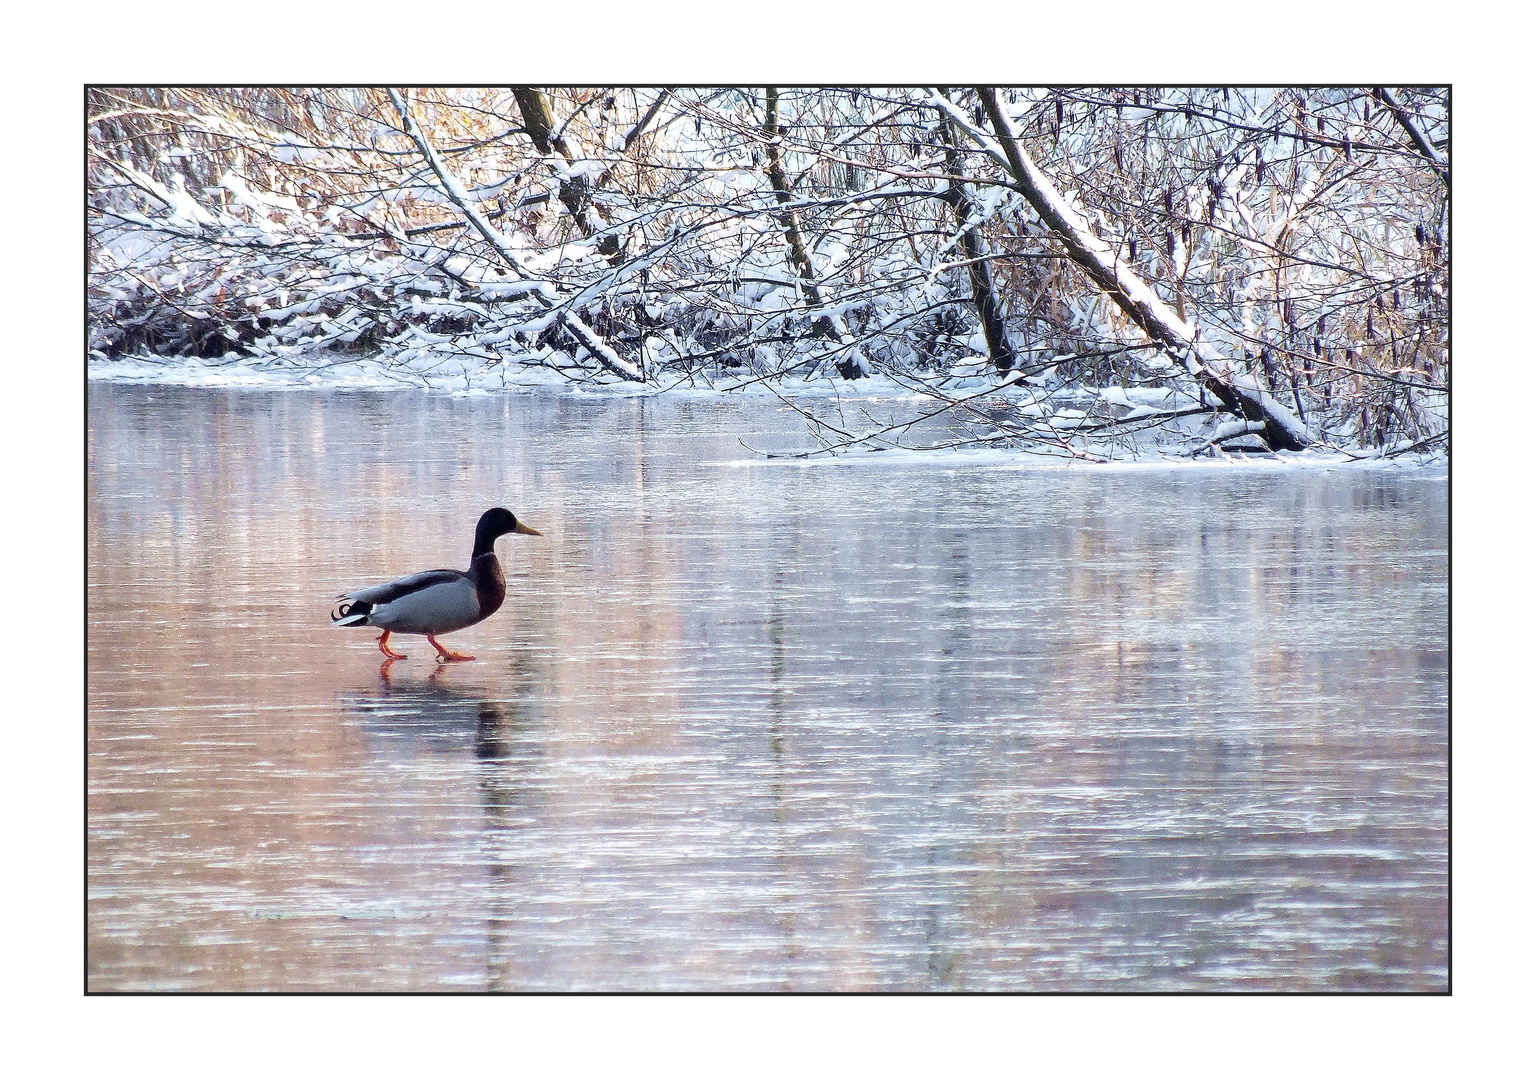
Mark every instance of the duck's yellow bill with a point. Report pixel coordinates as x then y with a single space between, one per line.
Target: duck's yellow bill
525 530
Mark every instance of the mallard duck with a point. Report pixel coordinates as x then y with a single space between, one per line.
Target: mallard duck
437 601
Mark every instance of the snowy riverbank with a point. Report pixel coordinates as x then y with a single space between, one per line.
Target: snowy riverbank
998 413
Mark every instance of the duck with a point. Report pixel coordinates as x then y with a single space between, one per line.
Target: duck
437 601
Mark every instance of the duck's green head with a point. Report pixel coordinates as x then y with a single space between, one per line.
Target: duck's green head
495 522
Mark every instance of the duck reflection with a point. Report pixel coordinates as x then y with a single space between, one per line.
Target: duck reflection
407 715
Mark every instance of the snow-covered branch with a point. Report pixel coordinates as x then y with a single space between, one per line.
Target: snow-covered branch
584 334
1420 140
1240 394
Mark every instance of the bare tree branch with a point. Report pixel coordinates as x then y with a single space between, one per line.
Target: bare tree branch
1434 157
1281 429
578 329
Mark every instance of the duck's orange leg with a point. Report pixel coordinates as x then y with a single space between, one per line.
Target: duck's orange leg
446 656
386 650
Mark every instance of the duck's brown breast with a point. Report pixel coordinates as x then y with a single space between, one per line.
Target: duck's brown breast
490 584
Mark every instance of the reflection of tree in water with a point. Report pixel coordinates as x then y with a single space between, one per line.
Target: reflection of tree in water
410 716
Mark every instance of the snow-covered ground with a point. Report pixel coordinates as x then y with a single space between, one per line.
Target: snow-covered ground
1036 408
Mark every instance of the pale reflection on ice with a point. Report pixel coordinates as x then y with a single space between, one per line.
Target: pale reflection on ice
900 726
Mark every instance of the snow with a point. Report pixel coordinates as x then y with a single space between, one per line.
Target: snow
978 458
289 370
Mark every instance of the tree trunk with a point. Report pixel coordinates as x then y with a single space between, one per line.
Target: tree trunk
576 191
1238 394
538 123
988 305
823 325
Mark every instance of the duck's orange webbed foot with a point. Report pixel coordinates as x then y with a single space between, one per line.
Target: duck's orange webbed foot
444 655
386 650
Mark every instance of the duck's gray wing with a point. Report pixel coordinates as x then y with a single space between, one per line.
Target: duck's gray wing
435 602
394 590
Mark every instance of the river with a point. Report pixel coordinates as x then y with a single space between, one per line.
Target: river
890 722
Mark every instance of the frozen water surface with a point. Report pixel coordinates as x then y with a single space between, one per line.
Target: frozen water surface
899 725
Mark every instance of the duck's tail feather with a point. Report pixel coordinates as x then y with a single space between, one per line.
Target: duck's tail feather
351 612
